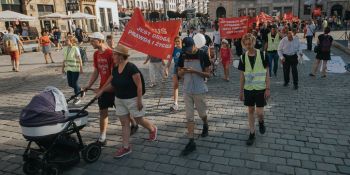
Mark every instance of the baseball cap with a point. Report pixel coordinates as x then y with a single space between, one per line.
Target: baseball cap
187 44
97 35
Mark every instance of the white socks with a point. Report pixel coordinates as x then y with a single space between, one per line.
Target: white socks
102 137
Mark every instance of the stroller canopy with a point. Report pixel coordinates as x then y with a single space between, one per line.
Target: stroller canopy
42 109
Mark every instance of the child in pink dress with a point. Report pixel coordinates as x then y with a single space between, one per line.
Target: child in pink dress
225 53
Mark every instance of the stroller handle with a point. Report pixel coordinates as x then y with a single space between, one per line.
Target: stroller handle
76 95
87 105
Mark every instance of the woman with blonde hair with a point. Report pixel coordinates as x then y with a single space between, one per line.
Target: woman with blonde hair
254 84
72 65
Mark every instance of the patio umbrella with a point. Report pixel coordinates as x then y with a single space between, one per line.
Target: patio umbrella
54 16
8 15
79 15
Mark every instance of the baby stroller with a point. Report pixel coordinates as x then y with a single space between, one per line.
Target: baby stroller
47 122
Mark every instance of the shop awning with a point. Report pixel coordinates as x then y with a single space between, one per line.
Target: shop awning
54 16
14 16
79 15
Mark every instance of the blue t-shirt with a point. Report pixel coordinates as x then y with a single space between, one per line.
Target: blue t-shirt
13 37
176 55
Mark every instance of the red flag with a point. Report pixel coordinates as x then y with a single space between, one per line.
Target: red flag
288 16
232 28
152 38
295 19
263 17
317 12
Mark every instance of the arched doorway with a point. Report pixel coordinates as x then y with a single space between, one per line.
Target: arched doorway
337 10
91 25
220 12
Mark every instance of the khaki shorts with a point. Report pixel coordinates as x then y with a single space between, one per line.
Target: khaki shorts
195 99
124 107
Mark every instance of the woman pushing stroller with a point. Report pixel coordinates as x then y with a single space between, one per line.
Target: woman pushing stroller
128 85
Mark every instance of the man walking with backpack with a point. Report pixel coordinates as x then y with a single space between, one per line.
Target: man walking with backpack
324 52
12 46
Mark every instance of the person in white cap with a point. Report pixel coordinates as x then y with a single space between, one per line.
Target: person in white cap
103 66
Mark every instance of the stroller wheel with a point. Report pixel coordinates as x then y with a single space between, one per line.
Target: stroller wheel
91 152
52 170
31 167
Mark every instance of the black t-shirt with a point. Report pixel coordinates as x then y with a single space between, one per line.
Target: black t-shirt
124 83
264 33
200 54
323 36
258 43
252 60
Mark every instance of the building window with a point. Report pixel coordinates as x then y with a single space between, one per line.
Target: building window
307 9
277 11
265 10
13 5
288 10
103 19
242 12
252 12
44 9
109 15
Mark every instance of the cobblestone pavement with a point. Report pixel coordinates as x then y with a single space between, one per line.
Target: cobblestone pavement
308 130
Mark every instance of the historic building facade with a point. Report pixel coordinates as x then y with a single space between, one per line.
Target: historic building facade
39 8
149 6
301 8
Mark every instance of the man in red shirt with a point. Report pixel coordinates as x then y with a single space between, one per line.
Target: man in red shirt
103 65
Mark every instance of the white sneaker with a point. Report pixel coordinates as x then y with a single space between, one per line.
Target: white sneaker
175 107
152 85
76 101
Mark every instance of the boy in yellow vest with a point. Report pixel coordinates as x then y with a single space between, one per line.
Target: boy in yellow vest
254 84
271 47
72 65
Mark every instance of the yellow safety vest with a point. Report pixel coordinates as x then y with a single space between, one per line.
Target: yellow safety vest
255 79
71 63
273 45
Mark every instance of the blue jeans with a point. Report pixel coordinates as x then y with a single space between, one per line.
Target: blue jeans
273 57
72 78
217 50
309 42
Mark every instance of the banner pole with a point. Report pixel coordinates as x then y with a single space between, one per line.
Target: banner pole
161 91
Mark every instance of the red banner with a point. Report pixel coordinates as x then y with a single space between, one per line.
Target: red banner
232 28
288 16
152 38
253 20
